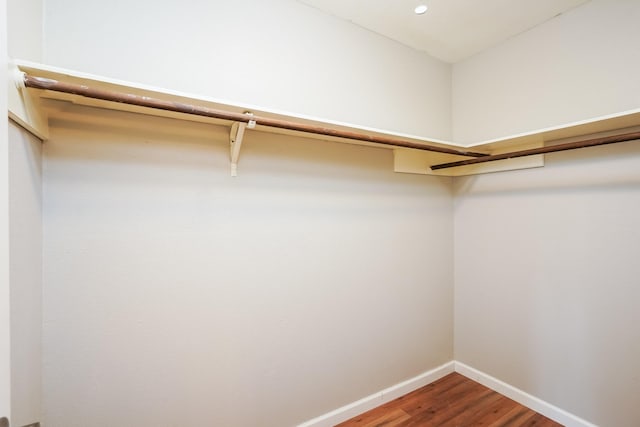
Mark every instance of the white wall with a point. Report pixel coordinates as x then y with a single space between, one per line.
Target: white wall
546 280
25 207
301 273
278 54
25 29
5 325
177 295
183 296
577 66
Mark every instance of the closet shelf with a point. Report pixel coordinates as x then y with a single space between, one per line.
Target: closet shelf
33 83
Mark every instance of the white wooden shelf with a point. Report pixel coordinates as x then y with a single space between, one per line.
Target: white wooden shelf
32 109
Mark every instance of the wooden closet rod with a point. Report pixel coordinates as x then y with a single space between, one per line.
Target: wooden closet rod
144 101
544 150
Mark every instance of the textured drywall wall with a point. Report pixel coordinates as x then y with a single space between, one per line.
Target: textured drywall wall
278 54
5 325
25 207
577 66
24 41
177 295
25 29
546 280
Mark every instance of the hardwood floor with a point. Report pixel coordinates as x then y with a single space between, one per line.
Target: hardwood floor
452 401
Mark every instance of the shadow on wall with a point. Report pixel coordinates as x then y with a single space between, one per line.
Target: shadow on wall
550 279
170 284
205 147
578 170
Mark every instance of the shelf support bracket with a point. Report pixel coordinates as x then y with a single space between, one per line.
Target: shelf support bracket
24 107
235 141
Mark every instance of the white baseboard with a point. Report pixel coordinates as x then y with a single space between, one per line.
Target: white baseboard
388 394
346 412
548 410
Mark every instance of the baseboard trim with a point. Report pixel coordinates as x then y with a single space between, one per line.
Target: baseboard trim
346 412
388 394
545 408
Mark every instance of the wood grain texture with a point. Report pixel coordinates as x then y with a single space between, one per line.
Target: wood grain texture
452 401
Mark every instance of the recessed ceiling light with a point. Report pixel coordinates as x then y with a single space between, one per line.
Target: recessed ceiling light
419 10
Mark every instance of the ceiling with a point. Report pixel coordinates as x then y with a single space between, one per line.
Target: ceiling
451 30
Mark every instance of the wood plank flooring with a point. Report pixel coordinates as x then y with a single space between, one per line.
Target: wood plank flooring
452 401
